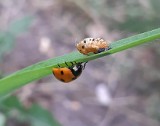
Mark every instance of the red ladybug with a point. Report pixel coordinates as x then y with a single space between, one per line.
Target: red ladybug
68 74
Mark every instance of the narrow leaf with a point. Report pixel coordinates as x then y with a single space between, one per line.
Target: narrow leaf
44 68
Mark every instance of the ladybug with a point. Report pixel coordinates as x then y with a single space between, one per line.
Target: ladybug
68 74
95 46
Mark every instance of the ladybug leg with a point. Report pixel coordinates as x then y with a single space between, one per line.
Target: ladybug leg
85 65
78 62
101 50
66 63
108 48
72 63
58 66
75 62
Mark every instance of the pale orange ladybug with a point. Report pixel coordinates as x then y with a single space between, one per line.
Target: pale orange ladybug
91 45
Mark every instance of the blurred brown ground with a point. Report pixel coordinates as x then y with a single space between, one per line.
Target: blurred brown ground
117 90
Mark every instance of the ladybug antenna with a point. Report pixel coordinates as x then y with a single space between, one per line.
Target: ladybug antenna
75 42
66 63
85 65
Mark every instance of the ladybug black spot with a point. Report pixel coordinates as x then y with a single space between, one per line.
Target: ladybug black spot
92 39
84 41
62 73
82 47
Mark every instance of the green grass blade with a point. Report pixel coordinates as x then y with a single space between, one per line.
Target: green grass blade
44 68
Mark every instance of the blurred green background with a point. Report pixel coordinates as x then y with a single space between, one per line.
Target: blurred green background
118 90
